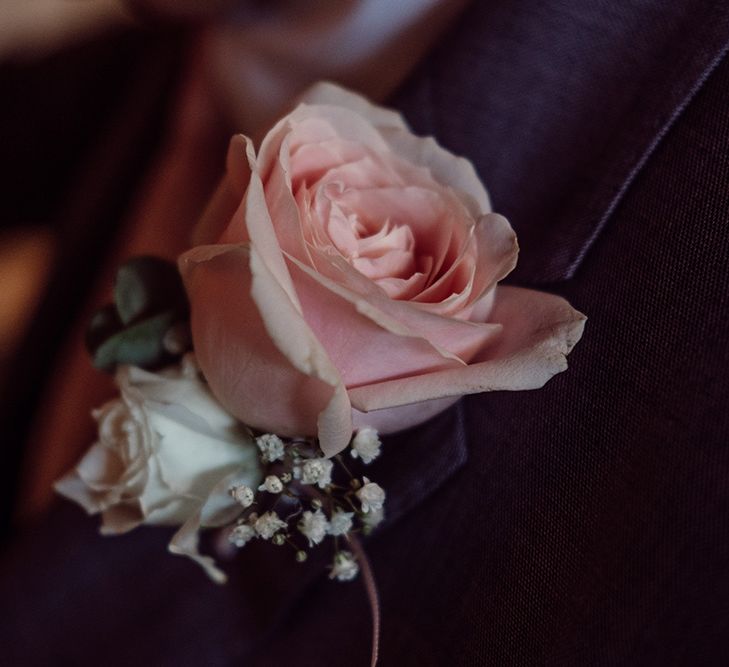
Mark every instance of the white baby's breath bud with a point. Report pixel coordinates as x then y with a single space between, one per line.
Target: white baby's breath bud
315 471
366 445
278 539
345 566
340 523
272 484
286 477
268 524
373 519
371 495
271 447
242 494
313 526
301 556
241 534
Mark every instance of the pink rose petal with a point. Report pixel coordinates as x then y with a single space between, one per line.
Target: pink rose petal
254 368
539 331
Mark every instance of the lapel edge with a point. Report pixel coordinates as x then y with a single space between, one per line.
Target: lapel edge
649 121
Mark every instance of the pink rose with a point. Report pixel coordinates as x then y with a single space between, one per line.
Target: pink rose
352 268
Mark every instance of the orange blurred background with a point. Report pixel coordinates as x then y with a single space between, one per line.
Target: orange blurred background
114 126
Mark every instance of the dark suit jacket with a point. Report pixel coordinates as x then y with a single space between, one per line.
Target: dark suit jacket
586 523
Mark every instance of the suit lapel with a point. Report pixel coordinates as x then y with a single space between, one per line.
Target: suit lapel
560 106
507 111
685 63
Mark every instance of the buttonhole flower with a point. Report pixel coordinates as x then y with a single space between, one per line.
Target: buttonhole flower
357 268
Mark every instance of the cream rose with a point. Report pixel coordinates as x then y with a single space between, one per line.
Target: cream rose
164 447
351 267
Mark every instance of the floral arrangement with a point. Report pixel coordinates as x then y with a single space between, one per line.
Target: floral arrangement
342 284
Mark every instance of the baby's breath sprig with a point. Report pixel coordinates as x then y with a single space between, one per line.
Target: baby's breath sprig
303 500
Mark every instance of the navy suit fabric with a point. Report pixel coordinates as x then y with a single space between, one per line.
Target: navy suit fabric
586 523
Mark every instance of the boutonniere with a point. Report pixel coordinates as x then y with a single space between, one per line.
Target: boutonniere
343 284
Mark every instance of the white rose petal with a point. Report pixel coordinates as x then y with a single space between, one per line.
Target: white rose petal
167 453
163 446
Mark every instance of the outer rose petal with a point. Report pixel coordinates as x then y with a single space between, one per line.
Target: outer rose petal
402 417
539 331
252 220
448 169
325 92
228 195
273 374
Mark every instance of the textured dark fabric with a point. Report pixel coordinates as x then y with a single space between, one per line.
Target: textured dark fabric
559 104
589 524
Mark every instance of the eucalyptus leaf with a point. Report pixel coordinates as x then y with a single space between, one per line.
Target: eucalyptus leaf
139 344
104 324
148 285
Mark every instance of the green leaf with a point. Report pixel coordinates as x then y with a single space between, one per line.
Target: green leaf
104 324
139 344
148 285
